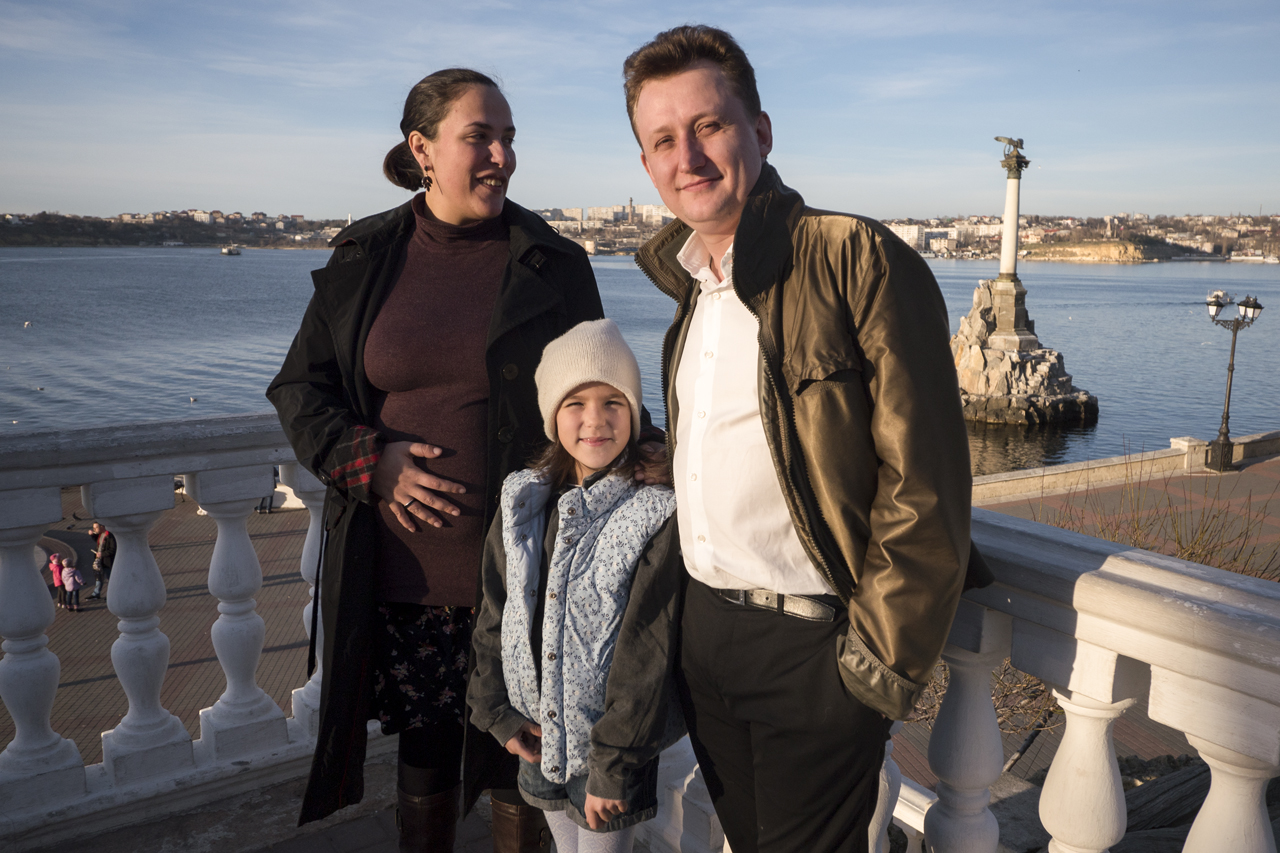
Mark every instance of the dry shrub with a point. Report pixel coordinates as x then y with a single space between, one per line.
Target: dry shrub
1022 702
1151 518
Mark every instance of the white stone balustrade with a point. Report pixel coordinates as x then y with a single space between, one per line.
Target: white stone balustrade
1105 626
39 765
245 719
309 490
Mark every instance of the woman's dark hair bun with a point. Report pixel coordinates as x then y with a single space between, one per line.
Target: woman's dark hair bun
425 107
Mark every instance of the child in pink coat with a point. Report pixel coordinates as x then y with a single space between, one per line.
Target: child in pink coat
55 569
72 581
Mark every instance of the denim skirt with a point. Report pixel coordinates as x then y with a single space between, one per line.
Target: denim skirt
571 797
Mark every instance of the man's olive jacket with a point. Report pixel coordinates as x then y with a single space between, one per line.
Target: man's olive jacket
861 410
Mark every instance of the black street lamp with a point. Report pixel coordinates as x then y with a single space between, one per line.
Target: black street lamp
1220 450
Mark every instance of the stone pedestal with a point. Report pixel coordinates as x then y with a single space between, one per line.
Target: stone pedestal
1006 376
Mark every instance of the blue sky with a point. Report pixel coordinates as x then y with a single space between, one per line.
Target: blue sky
886 109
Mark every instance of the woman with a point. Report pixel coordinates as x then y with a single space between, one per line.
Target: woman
409 392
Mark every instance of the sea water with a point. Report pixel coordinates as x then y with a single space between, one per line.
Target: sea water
106 336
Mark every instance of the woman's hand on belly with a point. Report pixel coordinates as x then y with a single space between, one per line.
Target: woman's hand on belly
410 491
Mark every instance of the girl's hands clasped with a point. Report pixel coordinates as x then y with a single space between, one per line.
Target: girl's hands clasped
408 490
527 742
599 811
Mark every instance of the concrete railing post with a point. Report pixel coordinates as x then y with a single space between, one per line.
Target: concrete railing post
1082 803
887 799
148 741
965 750
306 699
245 719
38 765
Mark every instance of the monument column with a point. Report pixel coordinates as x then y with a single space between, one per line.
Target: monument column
1013 330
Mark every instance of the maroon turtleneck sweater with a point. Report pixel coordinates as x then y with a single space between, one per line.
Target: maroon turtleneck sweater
425 355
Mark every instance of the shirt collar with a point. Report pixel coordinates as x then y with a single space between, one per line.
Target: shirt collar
696 260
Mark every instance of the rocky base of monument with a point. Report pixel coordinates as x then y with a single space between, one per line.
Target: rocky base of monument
1013 386
1076 407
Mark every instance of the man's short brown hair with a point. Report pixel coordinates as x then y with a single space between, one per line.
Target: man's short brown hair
673 51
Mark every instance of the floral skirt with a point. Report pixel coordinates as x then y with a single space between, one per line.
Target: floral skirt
420 665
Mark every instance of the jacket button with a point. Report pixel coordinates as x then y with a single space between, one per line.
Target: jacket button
553 596
524 536
506 434
570 511
551 714
510 371
551 656
555 768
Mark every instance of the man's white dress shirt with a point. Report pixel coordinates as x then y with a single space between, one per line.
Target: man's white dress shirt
735 529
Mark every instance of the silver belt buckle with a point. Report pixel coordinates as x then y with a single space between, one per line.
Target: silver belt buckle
737 596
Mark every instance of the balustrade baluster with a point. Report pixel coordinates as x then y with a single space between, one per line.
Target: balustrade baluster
245 719
1234 815
38 766
965 750
306 699
887 799
1082 803
149 740
1238 736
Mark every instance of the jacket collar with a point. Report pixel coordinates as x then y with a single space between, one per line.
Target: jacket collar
762 243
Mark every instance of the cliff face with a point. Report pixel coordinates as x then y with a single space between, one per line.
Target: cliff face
1113 252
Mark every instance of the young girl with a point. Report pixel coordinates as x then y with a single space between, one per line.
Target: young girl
575 639
55 569
71 581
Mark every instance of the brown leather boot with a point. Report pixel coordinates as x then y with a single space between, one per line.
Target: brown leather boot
427 824
519 829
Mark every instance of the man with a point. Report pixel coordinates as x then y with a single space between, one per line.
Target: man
820 460
104 555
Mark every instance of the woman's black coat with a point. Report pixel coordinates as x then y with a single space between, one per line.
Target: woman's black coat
322 395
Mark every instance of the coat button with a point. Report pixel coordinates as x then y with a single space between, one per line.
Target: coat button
506 434
551 656
553 596
570 511
510 371
551 714
555 768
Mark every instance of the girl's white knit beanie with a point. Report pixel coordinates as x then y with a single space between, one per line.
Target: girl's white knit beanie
592 351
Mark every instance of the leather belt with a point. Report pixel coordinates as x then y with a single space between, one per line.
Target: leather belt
792 605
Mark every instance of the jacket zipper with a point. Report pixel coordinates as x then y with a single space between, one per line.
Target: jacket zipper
765 349
766 353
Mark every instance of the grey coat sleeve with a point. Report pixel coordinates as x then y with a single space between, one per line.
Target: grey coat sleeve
640 689
491 709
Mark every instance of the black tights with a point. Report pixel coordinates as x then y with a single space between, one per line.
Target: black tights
430 759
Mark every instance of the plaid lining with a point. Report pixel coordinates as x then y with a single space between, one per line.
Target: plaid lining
358 457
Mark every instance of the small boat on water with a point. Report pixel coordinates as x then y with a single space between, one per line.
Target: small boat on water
230 250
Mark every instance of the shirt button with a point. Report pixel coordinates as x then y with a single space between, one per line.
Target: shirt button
708 354
551 656
718 295
693 476
702 414
702 539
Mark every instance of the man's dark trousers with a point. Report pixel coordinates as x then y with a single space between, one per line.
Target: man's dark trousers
791 760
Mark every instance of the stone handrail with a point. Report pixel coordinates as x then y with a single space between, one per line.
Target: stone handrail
1105 626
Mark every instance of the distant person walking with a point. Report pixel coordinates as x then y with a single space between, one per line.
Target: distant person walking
104 555
55 569
71 582
409 392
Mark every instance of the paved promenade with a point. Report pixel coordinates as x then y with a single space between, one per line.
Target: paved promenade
90 700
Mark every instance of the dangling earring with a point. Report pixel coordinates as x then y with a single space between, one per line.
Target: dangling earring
426 181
